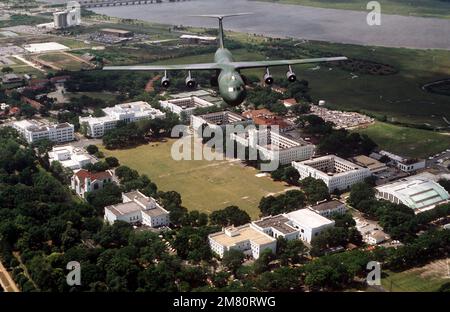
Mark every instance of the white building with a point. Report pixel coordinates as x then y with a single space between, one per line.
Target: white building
407 165
33 131
185 105
329 208
308 223
416 192
70 157
218 119
96 127
275 146
137 208
277 226
83 181
69 17
375 237
245 238
337 173
254 238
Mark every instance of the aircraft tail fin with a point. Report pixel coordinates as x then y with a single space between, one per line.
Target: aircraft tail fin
220 17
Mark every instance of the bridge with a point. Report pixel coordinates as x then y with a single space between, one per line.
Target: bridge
107 3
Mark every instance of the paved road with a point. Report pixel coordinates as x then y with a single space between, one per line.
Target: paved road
6 281
281 20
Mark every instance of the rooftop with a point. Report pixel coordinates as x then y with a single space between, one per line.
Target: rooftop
306 216
277 222
368 162
332 204
416 192
241 234
331 165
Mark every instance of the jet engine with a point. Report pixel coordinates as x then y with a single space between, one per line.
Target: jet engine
268 79
191 83
165 82
291 76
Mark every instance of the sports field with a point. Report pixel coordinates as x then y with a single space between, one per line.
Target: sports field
425 279
204 185
407 141
62 61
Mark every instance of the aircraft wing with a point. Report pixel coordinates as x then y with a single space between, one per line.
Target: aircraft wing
262 64
204 66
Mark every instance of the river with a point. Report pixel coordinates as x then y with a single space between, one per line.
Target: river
281 20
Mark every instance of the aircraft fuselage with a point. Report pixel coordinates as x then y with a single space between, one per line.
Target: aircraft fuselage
231 84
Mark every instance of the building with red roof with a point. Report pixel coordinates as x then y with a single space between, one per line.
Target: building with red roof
83 181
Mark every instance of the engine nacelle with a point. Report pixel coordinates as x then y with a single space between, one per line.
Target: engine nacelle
291 76
191 83
165 82
268 79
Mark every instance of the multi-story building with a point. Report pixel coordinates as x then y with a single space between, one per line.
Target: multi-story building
418 193
254 238
33 131
218 119
185 106
96 127
245 238
83 181
137 208
374 165
275 146
337 173
407 165
70 157
69 17
277 226
329 208
308 223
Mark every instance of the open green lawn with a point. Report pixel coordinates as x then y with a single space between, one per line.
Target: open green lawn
428 8
105 96
407 141
425 279
63 61
204 185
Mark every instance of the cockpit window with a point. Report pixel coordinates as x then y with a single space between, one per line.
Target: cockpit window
234 89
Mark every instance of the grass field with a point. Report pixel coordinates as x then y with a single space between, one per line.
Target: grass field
425 279
105 96
204 185
427 8
407 141
63 61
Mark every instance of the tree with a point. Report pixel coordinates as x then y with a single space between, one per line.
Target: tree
262 264
290 252
92 149
231 215
291 175
315 190
7 70
359 192
233 259
112 162
445 184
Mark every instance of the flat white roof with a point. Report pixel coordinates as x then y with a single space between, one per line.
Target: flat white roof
45 47
308 218
242 233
